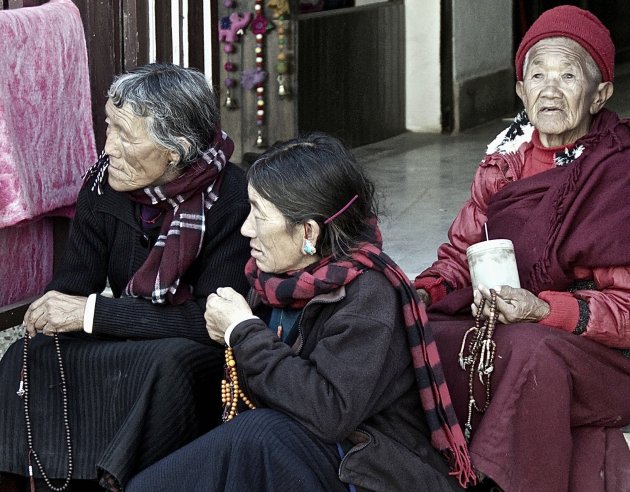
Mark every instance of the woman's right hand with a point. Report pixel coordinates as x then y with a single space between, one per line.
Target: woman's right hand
424 296
223 308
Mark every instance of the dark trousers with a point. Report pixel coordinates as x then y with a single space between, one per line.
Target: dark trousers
259 450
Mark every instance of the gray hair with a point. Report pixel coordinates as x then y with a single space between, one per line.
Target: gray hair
178 103
591 67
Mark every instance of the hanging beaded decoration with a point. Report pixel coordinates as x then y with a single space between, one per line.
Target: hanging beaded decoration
480 358
258 76
281 19
231 28
231 391
23 392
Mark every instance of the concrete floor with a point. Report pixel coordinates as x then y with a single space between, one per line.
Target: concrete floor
423 179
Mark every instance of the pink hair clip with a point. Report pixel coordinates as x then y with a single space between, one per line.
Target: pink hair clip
345 207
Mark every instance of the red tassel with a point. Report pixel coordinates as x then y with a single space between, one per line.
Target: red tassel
31 479
462 468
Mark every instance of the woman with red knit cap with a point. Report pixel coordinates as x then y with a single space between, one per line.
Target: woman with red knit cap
556 184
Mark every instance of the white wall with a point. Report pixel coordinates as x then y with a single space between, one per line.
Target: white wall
422 52
482 34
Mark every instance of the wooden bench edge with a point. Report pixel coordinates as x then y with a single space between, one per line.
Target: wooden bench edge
12 314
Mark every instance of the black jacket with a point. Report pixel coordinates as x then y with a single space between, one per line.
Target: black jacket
349 378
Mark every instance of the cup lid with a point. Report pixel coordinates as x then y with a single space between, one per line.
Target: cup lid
490 244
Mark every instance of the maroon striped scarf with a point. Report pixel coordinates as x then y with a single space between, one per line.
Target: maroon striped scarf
295 289
184 202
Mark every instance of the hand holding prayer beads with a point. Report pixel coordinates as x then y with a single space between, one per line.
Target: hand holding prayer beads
223 308
53 313
513 305
505 305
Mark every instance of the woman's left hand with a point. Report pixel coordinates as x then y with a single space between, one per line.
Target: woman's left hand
513 305
223 308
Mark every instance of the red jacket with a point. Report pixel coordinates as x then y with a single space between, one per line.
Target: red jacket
609 305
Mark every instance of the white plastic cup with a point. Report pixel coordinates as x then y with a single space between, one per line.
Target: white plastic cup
493 263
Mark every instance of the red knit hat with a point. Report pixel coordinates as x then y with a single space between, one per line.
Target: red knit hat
577 24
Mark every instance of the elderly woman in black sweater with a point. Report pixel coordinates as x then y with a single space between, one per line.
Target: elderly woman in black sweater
158 218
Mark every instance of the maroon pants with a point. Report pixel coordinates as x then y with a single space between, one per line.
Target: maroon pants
558 402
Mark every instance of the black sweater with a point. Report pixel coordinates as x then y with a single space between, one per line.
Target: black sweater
107 242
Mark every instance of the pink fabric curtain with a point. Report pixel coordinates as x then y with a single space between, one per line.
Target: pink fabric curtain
46 136
26 266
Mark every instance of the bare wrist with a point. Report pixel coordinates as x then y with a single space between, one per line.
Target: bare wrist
545 310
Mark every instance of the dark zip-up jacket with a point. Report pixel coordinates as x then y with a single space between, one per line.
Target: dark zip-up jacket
348 378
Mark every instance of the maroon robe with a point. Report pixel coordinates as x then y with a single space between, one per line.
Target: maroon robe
559 399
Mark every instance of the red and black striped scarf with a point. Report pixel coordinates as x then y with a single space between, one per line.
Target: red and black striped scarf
295 289
184 202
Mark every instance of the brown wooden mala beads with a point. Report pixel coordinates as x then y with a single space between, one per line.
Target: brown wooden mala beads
231 391
480 357
23 392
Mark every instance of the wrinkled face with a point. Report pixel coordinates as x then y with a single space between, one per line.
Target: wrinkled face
135 161
274 249
558 91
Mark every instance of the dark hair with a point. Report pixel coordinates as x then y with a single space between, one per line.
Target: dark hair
311 178
178 103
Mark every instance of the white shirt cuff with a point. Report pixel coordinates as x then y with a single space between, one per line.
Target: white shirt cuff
232 325
88 314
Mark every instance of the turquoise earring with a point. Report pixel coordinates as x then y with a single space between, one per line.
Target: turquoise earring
308 247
